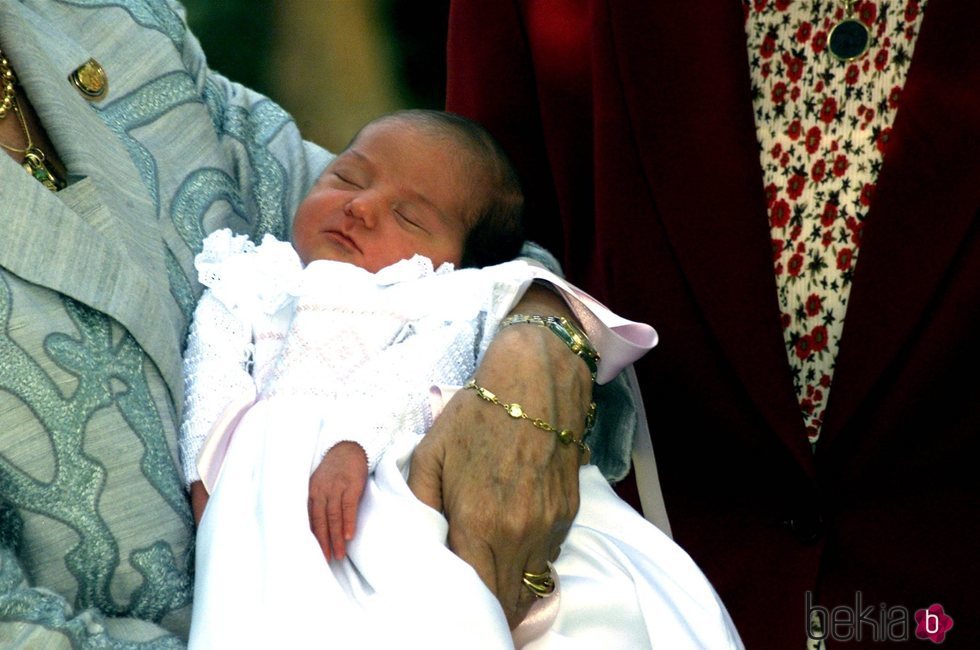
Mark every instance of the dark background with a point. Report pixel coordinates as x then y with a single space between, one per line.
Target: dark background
292 51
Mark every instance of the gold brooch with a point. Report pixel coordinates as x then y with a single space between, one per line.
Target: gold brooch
91 81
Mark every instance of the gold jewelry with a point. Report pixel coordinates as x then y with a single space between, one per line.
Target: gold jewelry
541 585
7 79
569 333
516 411
850 38
34 162
90 80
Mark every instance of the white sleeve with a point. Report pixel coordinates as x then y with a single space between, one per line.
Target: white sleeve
373 416
216 374
391 395
618 340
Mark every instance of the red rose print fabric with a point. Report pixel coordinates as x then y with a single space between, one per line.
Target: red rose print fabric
823 127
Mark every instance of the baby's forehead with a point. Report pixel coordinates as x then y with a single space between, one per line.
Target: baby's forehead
400 129
422 129
466 169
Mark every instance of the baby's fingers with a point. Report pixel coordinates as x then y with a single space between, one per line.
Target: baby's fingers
336 516
319 526
350 501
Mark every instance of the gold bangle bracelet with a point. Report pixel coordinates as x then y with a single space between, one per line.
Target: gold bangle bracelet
569 333
516 411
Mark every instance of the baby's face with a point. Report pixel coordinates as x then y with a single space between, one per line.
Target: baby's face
396 191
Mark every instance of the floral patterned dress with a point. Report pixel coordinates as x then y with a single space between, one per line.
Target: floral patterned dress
823 127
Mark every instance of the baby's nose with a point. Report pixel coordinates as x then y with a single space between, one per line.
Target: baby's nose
364 208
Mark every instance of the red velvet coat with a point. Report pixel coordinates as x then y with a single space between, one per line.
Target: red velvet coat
631 123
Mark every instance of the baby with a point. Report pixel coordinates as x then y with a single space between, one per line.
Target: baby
412 183
313 369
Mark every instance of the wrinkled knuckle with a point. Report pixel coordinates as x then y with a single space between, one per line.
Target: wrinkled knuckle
511 528
518 522
473 513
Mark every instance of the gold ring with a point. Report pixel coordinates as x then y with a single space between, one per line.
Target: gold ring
541 585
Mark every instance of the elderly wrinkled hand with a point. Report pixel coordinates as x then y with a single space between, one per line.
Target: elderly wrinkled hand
509 490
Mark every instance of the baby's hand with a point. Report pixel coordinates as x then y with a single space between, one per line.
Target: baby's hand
335 493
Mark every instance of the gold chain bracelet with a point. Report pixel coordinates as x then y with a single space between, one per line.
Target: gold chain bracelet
516 411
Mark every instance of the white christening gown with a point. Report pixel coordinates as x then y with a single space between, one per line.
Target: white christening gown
283 362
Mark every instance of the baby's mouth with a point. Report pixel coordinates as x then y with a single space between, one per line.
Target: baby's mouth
343 240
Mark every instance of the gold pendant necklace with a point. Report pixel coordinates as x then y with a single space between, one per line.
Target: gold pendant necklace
850 38
34 163
7 79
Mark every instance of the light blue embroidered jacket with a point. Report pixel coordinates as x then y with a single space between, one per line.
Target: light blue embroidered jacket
96 288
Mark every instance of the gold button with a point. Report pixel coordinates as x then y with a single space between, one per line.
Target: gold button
90 80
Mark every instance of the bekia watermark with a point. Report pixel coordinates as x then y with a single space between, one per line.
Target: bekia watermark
932 623
879 623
